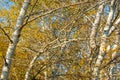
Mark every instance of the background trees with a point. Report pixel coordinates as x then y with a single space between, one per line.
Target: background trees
57 37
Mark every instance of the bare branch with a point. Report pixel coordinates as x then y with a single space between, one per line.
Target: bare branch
5 33
51 11
111 61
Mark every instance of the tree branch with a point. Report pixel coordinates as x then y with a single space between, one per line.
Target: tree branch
6 34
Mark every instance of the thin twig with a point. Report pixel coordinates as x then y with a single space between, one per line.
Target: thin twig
111 61
51 11
5 62
6 34
31 11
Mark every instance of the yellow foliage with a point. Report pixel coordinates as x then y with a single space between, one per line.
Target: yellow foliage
1 54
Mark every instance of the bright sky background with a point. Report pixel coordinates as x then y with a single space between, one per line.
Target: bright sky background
6 4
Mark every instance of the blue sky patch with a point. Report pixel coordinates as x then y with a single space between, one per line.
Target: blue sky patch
6 4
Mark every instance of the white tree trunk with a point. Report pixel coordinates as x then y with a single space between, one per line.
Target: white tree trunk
31 66
15 40
104 40
115 48
117 42
96 25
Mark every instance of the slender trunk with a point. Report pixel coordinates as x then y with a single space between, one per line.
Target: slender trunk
46 59
45 73
93 44
15 40
31 66
103 41
115 47
117 42
96 25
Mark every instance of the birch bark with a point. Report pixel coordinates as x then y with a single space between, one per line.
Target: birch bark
103 46
115 48
117 42
31 66
96 25
15 39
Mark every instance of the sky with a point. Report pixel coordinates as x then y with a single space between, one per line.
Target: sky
6 4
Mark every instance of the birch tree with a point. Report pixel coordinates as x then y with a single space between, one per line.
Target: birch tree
115 48
62 40
103 45
15 39
96 24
